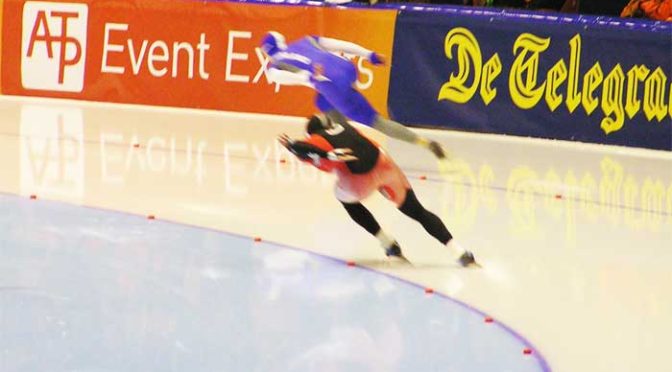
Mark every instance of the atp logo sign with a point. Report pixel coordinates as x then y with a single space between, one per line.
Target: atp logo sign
53 49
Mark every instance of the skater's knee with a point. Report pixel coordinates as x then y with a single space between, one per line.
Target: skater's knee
412 207
362 217
351 206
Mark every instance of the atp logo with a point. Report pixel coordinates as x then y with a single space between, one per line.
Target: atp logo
53 49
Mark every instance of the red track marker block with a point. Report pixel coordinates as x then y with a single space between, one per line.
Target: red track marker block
151 217
257 239
429 290
558 196
136 145
423 177
489 319
527 351
33 197
351 263
283 161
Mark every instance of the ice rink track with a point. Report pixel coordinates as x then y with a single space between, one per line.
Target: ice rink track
574 239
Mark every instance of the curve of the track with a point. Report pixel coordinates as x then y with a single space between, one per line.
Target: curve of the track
90 289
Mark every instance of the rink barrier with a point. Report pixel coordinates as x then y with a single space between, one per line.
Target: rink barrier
590 79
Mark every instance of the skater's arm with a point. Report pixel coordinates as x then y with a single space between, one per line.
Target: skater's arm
335 45
305 151
315 150
285 77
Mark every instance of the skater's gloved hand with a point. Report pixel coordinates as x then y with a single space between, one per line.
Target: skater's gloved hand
377 59
343 155
285 140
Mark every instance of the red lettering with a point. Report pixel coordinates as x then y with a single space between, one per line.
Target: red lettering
41 24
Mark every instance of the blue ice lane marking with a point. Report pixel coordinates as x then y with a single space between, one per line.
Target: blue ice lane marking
100 290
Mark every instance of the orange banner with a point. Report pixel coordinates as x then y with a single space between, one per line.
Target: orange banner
177 53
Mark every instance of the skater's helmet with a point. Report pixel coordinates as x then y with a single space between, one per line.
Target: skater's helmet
318 122
273 42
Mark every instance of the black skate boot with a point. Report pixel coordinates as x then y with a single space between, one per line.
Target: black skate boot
467 260
437 150
394 251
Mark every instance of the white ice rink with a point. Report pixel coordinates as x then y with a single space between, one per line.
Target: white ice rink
575 240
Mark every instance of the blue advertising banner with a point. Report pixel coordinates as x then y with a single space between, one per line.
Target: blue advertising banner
600 80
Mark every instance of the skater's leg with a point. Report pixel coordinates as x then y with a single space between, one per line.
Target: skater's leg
323 103
365 219
336 116
403 133
432 224
339 102
396 130
329 110
352 104
435 227
348 101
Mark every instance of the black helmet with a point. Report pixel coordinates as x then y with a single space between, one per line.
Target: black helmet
318 122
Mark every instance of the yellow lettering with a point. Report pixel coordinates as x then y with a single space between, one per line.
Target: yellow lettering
554 78
630 191
636 75
469 60
520 194
523 76
669 106
491 70
588 190
610 187
612 101
486 178
551 179
653 195
570 207
591 81
654 95
459 204
573 94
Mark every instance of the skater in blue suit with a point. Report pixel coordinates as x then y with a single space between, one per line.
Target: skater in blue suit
313 61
